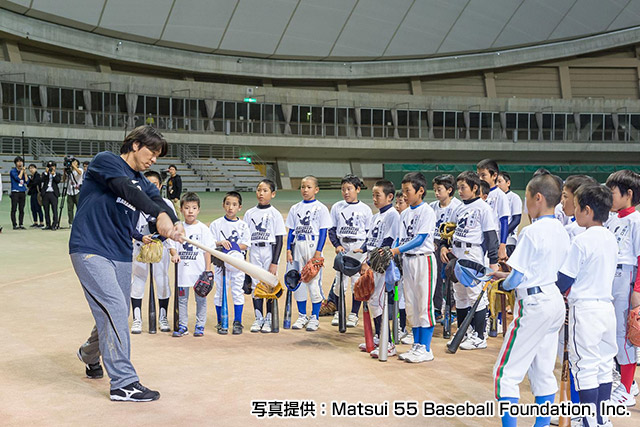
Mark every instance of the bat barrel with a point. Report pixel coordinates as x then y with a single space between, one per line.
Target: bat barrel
383 347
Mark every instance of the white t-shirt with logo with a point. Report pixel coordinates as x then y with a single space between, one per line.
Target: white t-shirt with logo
541 250
234 231
444 214
192 262
414 221
592 261
383 226
351 219
308 218
472 220
264 224
627 232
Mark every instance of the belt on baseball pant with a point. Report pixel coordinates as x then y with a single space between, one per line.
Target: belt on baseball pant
260 244
304 237
348 240
520 293
413 255
458 244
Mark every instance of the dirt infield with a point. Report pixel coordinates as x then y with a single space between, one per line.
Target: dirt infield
214 379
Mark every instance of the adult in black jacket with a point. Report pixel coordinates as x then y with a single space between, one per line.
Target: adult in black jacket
174 187
50 193
34 190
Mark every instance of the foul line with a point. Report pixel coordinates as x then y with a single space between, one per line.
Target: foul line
15 282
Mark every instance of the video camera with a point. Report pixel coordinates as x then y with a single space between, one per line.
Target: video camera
68 163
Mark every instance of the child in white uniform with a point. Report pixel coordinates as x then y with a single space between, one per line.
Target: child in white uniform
515 208
488 171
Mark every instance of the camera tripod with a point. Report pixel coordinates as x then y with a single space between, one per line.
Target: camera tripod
65 190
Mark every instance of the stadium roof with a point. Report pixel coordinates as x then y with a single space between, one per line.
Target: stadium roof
337 30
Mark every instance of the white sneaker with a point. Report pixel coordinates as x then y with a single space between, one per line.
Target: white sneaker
621 397
266 325
301 322
335 321
467 336
391 351
313 324
257 325
352 320
402 333
136 326
403 356
474 343
419 355
634 389
363 346
407 338
616 379
164 325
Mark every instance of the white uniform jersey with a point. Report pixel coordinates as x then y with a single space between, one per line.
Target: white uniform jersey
515 208
192 262
499 203
472 220
414 221
444 214
233 231
627 232
143 223
351 219
383 225
592 261
308 218
541 249
558 212
573 229
264 224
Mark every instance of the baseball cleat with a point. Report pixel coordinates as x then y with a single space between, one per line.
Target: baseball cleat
474 343
164 325
621 397
403 356
313 324
221 330
198 331
136 326
182 331
363 346
266 325
352 320
134 392
335 321
237 327
391 351
634 389
419 355
257 325
301 323
92 370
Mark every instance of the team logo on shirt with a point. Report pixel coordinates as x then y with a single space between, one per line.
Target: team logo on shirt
466 222
374 233
621 232
353 224
125 203
408 229
305 221
188 252
261 232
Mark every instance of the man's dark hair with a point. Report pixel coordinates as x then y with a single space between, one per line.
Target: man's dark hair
574 181
85 163
485 188
541 171
32 164
155 174
269 183
172 166
387 187
505 176
353 180
490 165
548 186
446 180
146 136
189 196
233 194
417 180
471 178
598 198
18 159
626 180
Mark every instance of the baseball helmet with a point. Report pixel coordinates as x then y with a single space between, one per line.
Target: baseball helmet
470 273
292 276
347 264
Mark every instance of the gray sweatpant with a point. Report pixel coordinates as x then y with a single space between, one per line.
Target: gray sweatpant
107 287
183 303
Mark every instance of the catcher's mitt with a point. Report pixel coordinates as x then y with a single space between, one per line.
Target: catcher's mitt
363 288
380 258
266 291
633 326
151 252
447 229
204 284
311 269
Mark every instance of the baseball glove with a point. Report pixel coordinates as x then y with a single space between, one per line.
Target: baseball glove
447 229
266 291
311 269
151 252
380 258
633 326
363 288
247 285
204 284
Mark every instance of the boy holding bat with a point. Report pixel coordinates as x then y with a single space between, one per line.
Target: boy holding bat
192 262
530 344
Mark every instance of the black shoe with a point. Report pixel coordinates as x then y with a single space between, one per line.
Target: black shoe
34 226
21 227
15 227
221 330
134 392
237 327
48 227
93 370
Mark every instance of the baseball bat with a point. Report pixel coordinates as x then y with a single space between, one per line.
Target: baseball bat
446 322
462 329
342 308
395 314
368 333
275 316
565 387
224 313
176 308
383 347
242 265
153 324
286 322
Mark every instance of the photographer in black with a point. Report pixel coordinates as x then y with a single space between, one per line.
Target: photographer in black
50 193
72 178
34 193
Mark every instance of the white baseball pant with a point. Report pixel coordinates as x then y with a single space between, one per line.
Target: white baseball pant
234 279
376 302
622 289
419 278
465 297
305 250
260 256
140 273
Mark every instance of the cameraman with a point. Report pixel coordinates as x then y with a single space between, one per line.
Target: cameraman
73 177
50 193
34 193
19 180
